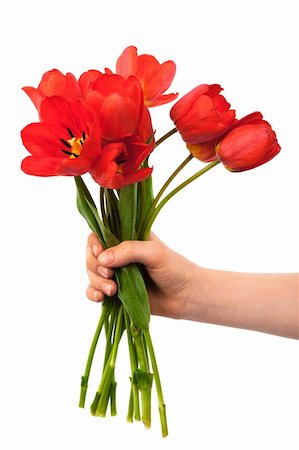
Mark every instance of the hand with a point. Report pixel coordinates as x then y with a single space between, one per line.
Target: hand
170 275
182 290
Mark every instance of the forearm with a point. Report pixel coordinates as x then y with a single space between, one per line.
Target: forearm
261 302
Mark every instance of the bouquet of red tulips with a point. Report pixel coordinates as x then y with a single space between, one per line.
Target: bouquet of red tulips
101 124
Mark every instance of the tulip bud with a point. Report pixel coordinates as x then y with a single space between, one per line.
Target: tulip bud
250 144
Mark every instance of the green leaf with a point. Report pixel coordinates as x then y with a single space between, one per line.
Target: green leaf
91 214
112 211
127 208
85 211
133 294
131 288
145 199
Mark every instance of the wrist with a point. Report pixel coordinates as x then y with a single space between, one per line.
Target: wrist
196 299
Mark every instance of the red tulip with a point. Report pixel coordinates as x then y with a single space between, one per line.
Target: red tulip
119 163
52 83
155 78
202 115
250 144
66 142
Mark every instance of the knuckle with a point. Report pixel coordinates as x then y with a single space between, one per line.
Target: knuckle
125 246
157 250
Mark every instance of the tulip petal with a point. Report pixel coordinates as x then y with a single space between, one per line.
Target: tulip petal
107 84
183 106
221 104
161 100
145 129
87 80
119 117
157 81
155 78
35 95
71 88
65 114
73 167
205 151
39 166
39 140
126 64
134 177
54 82
252 118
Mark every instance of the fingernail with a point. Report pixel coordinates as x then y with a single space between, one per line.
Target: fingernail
95 296
103 271
106 257
95 249
107 288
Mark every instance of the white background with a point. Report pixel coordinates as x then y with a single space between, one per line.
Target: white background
224 388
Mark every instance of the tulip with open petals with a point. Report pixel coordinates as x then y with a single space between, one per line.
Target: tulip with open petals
66 142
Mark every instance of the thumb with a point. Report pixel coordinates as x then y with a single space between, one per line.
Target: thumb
143 252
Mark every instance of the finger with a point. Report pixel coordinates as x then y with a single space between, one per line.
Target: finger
92 264
94 295
148 253
94 244
93 249
91 260
106 286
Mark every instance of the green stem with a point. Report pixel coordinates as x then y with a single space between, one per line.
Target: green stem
84 380
111 325
110 366
113 397
141 206
134 397
161 403
166 136
102 205
112 211
141 352
164 187
153 216
131 406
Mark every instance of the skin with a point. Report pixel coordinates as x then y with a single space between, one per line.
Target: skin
180 289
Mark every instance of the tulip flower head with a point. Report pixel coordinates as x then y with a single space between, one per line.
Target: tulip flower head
203 114
250 144
66 142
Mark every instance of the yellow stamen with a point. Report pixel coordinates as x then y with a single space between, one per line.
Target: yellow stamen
76 145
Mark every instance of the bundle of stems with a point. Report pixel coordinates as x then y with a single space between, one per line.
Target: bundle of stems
126 214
